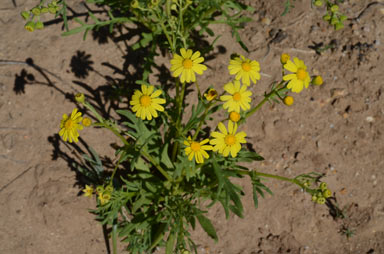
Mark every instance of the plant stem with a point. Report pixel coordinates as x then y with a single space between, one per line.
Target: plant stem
203 119
274 92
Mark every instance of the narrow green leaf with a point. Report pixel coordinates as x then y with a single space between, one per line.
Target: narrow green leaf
158 236
207 226
170 243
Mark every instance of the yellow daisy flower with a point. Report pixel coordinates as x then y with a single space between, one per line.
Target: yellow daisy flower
88 191
244 69
300 76
239 97
70 125
197 149
145 102
187 64
228 141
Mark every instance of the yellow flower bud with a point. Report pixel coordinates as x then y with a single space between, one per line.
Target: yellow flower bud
99 189
319 3
80 98
211 94
25 15
36 11
87 122
44 10
314 198
30 26
288 100
323 186
318 80
284 58
334 8
109 188
327 193
320 200
135 4
52 10
234 116
39 25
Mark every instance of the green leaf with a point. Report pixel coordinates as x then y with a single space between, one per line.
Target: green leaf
158 236
170 243
207 226
165 158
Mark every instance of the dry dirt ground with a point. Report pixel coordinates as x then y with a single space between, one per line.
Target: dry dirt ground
335 129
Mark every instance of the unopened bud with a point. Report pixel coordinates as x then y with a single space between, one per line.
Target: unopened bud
80 97
288 100
234 116
39 25
318 80
36 11
25 15
30 26
284 58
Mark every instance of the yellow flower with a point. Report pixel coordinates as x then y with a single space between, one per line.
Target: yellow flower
288 100
86 122
228 141
70 125
145 102
197 149
187 64
88 191
234 116
300 78
239 97
211 94
318 80
104 198
244 69
284 58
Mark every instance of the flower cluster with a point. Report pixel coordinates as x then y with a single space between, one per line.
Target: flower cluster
104 194
33 16
322 193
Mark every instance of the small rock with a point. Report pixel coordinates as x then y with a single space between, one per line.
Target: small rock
369 119
338 92
266 21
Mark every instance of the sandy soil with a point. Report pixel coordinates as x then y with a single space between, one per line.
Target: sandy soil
335 129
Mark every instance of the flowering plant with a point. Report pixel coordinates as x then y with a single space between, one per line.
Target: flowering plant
171 167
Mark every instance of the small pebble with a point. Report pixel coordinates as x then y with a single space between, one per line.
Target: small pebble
369 119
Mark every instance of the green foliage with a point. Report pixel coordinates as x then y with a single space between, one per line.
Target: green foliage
163 179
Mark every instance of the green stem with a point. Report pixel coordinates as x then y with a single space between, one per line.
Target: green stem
274 92
203 119
277 177
116 131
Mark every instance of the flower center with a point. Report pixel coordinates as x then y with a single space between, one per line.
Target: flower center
195 146
230 139
246 67
237 96
301 74
187 63
145 100
69 124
